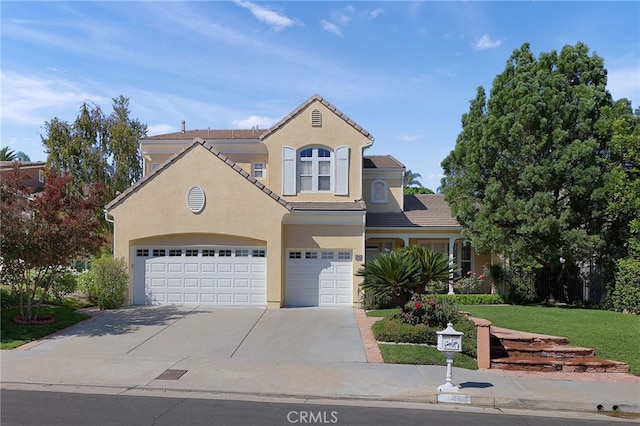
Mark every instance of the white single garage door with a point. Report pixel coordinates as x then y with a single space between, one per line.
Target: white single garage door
319 278
200 276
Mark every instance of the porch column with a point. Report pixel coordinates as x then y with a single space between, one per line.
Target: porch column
451 241
405 240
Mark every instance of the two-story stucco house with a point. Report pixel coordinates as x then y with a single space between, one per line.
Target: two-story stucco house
277 217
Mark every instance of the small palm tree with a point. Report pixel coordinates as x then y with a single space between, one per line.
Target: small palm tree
393 275
7 154
411 179
434 266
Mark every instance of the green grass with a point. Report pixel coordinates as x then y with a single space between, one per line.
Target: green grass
613 335
423 355
384 313
13 335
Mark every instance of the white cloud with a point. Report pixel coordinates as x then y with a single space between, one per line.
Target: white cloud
331 27
266 15
409 138
160 129
33 100
485 42
375 13
254 121
625 83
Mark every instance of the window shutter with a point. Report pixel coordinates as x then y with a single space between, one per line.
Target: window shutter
342 170
289 171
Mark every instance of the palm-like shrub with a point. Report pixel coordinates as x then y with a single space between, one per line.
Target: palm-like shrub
393 274
434 266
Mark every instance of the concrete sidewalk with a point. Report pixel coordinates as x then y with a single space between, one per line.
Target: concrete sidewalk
138 371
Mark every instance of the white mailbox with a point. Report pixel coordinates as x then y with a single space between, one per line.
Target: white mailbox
449 342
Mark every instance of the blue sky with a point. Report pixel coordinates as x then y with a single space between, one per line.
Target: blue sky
405 71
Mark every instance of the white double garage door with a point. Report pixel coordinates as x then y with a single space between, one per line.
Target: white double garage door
236 276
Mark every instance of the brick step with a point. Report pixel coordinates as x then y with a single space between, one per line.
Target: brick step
523 337
538 349
588 364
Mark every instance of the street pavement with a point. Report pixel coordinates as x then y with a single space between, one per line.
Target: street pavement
314 354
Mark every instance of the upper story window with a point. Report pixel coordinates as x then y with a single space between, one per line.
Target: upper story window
258 170
315 171
40 176
379 191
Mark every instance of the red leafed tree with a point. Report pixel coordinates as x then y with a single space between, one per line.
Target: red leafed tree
40 234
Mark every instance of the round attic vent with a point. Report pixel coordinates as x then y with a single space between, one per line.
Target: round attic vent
195 199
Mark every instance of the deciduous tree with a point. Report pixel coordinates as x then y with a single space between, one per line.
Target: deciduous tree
40 234
97 147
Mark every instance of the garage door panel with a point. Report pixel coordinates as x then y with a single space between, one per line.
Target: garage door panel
225 267
196 277
322 279
158 283
158 268
191 267
174 267
207 267
191 298
191 282
174 283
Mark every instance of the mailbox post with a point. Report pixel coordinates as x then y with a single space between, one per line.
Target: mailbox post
449 342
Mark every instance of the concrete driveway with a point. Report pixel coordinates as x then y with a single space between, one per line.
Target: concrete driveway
248 334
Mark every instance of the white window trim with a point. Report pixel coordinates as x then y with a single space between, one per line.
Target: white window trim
384 198
259 166
40 176
315 172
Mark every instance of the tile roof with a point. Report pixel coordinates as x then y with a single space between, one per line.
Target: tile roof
420 211
357 205
23 164
303 106
381 162
139 184
210 134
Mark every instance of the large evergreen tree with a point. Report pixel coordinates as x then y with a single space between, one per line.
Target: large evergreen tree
97 147
527 175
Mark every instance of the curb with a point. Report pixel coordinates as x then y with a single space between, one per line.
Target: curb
434 399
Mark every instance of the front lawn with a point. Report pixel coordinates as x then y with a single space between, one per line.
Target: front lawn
423 355
613 335
13 335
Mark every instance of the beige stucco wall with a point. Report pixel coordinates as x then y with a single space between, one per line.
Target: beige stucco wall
334 133
395 195
235 211
337 237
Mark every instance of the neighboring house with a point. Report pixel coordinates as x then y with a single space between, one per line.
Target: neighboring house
278 217
33 170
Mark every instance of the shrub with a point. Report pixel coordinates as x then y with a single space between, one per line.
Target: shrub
64 284
9 299
395 330
626 294
370 301
87 286
392 275
472 283
427 310
472 299
110 280
522 286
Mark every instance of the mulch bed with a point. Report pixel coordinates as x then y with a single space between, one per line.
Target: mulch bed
43 320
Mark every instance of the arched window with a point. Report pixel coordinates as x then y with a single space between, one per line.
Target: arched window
379 190
315 169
